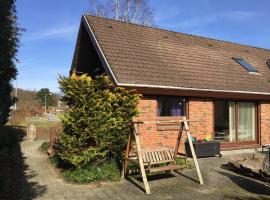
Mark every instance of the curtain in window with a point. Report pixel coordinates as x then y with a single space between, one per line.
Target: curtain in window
246 121
175 108
174 111
171 106
232 121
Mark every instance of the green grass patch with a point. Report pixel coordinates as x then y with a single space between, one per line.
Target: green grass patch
183 161
107 171
39 123
44 147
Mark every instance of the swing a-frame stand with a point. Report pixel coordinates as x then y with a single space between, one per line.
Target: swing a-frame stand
159 159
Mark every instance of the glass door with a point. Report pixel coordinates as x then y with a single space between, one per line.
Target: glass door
235 121
246 121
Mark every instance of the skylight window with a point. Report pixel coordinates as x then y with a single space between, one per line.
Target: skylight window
245 64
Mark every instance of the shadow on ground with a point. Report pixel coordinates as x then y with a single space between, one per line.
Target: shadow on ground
138 182
15 174
248 184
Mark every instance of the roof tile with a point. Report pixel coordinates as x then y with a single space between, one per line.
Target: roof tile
150 56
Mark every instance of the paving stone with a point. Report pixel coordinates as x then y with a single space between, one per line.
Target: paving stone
219 183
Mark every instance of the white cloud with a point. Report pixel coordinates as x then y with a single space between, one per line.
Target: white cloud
238 15
234 16
63 31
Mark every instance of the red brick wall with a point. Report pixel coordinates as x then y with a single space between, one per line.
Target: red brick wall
265 122
153 135
202 112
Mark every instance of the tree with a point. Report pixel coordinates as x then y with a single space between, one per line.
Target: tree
134 11
45 92
27 106
98 121
9 42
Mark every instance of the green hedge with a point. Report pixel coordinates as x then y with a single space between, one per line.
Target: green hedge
97 124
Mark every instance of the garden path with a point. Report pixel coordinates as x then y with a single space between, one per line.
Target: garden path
43 182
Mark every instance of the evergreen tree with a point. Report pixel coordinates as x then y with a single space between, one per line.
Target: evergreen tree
98 121
50 99
9 41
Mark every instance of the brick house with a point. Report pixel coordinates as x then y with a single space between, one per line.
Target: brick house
224 87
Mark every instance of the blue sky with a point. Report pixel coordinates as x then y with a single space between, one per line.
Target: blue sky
51 26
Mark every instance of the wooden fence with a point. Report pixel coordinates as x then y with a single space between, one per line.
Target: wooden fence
49 134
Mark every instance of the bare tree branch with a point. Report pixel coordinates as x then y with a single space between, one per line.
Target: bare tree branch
134 11
116 9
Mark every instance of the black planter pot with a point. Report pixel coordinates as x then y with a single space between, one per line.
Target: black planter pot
204 149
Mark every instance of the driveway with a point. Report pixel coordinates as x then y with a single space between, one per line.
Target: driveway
43 182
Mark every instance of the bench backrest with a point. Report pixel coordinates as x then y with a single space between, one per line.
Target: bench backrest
158 156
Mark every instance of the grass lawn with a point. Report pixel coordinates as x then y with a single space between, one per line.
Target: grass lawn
39 123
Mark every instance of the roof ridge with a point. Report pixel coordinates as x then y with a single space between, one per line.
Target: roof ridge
171 31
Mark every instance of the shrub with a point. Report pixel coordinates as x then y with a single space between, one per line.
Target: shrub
56 161
44 147
97 124
107 171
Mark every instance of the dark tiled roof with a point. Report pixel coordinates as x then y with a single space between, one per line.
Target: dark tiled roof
149 56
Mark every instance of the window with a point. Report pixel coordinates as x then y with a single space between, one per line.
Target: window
235 121
171 106
246 65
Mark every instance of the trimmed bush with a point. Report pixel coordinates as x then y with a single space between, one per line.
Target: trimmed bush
98 121
44 147
107 171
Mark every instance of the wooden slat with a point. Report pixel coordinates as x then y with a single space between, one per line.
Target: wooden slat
193 152
165 168
169 155
138 121
150 157
147 157
161 162
157 157
125 167
153 156
165 155
162 156
144 157
141 164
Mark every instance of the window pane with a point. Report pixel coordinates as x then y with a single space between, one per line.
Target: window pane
245 64
224 121
246 121
221 120
232 106
171 106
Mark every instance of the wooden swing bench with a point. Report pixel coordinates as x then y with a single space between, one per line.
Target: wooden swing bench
151 159
158 159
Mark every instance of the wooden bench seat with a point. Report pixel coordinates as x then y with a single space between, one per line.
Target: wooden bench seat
159 157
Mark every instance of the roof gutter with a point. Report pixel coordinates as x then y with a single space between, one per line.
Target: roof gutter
191 89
